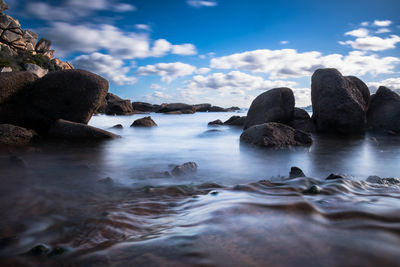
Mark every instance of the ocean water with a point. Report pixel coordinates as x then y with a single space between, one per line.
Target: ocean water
238 209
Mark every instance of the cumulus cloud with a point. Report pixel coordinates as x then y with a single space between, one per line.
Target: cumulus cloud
167 71
107 66
203 70
361 32
364 23
391 83
201 3
373 43
382 23
382 30
184 49
143 27
157 95
288 63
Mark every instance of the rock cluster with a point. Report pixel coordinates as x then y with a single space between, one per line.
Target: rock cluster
114 105
179 108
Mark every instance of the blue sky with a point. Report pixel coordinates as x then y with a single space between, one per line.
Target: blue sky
224 52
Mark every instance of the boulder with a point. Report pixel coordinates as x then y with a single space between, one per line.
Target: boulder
307 126
142 106
339 103
216 122
300 114
61 65
236 121
296 172
35 69
30 37
117 126
275 135
43 45
384 111
185 169
175 107
12 135
71 130
3 6
13 82
144 122
275 105
202 107
118 106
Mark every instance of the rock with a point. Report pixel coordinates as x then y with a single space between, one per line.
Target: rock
50 54
185 169
30 37
3 6
234 108
10 36
43 45
71 130
6 69
176 107
13 82
275 135
384 111
217 109
307 126
236 121
216 122
339 103
61 65
333 176
312 190
202 107
142 106
39 250
12 135
296 172
275 105
383 181
144 122
118 106
300 114
35 69
117 126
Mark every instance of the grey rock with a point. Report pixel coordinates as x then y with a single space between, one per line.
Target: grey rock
35 69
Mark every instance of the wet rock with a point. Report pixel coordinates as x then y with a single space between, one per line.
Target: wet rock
184 108
144 107
35 69
333 176
144 122
296 172
117 106
117 126
383 181
202 107
312 190
275 135
184 169
339 103
216 122
71 130
384 111
275 105
12 135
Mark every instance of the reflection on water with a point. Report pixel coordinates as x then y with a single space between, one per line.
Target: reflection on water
57 195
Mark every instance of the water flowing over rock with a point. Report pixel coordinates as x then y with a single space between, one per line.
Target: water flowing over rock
275 135
275 105
384 111
339 103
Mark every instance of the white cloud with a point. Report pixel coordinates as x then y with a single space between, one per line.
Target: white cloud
382 30
391 83
161 47
361 32
284 42
203 70
143 27
201 3
364 23
167 71
106 66
184 49
156 96
288 63
155 86
382 23
373 43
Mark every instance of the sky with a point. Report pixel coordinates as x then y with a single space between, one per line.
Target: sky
223 52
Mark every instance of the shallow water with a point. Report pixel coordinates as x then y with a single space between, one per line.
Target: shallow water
238 209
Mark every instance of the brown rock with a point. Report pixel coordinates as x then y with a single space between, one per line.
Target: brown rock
12 135
71 131
144 122
185 169
43 45
13 82
216 122
118 106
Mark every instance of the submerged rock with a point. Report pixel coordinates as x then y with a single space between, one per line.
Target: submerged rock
275 135
216 122
275 105
184 169
339 103
384 111
144 122
296 172
71 130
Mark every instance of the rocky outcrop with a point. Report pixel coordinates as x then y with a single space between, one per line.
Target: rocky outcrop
339 103
12 135
35 69
3 6
144 122
72 95
275 105
202 107
236 121
185 169
216 122
143 106
173 107
218 109
114 105
384 112
275 135
72 131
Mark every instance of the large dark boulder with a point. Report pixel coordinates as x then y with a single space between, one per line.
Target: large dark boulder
202 107
236 121
143 106
307 126
300 114
12 135
339 103
275 135
74 131
175 107
13 82
144 122
384 111
275 105
118 106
